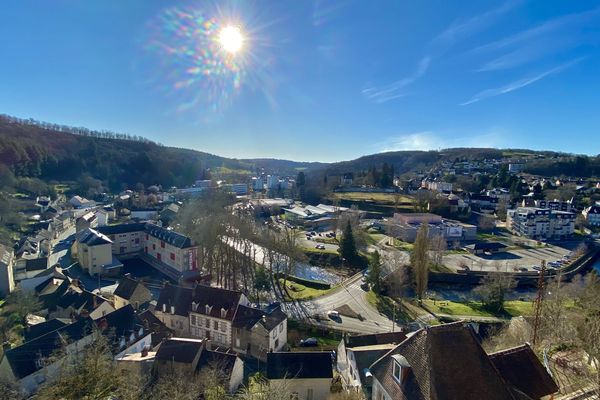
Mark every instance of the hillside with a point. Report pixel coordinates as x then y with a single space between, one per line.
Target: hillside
54 152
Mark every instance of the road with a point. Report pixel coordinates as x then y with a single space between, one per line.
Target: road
352 295
61 251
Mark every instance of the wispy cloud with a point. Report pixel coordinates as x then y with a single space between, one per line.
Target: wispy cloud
550 37
519 84
459 29
394 90
429 140
436 48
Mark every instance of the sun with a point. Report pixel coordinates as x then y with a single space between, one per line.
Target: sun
231 39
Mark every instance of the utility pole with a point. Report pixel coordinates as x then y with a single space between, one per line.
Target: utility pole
538 302
394 318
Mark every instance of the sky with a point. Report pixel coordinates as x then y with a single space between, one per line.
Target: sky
321 80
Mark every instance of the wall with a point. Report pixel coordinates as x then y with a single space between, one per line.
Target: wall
320 387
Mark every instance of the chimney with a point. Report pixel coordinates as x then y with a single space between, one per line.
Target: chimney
145 351
208 344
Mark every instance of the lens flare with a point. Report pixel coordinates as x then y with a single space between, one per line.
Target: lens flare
199 57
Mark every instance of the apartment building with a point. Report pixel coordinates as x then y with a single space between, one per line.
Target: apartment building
93 251
7 261
540 223
592 215
405 226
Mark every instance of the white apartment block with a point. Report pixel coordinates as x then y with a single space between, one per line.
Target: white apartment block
540 223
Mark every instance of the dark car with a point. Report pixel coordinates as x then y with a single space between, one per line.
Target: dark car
365 286
310 342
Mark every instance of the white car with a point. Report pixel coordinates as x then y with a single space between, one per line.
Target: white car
333 314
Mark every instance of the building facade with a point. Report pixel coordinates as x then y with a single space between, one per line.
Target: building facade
405 226
7 261
540 223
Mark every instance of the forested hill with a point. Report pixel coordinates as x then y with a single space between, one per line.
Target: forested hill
54 152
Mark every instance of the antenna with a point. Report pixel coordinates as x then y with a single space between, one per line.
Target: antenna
538 302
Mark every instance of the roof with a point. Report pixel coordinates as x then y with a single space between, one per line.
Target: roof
36 264
179 350
301 365
217 299
247 317
6 254
126 287
91 237
23 359
122 321
173 238
121 228
377 338
364 358
486 246
217 360
521 368
446 362
37 330
159 330
177 296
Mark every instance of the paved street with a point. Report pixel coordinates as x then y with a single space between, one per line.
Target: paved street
352 295
60 253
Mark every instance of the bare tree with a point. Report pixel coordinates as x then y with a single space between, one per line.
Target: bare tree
438 247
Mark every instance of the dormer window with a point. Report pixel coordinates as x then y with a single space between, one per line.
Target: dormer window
194 306
164 308
172 309
223 313
122 342
400 369
207 309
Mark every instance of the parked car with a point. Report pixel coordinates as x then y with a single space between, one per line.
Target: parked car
310 342
365 286
537 268
332 314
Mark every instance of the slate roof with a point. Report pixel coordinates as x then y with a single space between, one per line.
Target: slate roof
121 228
486 246
217 298
222 362
446 362
373 339
301 365
92 237
247 317
122 321
521 368
177 296
159 330
173 238
36 264
179 350
43 328
126 287
23 359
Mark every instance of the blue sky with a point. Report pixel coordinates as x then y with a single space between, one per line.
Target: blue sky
315 80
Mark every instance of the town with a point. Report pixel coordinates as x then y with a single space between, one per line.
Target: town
242 288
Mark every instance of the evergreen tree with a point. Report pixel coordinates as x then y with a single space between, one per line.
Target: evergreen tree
347 247
374 272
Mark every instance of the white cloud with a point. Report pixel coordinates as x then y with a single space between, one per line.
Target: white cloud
394 90
519 84
428 140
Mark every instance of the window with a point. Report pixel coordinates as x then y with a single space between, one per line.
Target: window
146 237
153 246
208 323
193 318
397 371
276 343
281 328
223 326
216 325
162 244
223 313
137 241
173 256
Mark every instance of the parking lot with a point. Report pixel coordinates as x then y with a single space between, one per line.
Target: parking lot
513 260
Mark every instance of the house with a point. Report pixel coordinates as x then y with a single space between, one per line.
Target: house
592 215
211 313
172 308
81 202
28 365
239 189
485 247
7 261
319 217
347 179
131 291
169 213
355 354
70 301
159 330
192 356
94 253
88 220
29 267
102 217
448 362
307 375
257 332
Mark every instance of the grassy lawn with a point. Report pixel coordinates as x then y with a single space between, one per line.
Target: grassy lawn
326 240
319 251
374 238
488 236
405 246
389 198
513 308
328 340
300 292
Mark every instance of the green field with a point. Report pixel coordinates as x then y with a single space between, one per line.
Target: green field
388 198
513 308
298 291
387 306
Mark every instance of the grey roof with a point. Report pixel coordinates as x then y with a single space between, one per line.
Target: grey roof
36 264
121 228
6 254
37 330
216 299
300 365
374 339
247 317
126 287
173 238
179 350
177 296
92 237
